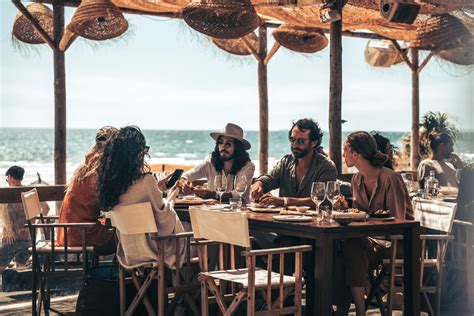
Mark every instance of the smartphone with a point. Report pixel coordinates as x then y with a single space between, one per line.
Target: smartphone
175 177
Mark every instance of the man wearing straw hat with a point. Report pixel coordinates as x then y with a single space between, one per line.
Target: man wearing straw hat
230 159
294 174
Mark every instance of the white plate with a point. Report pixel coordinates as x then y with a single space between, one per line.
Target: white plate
292 218
265 209
219 207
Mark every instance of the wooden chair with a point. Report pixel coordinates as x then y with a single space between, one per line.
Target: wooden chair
232 228
49 259
437 216
138 219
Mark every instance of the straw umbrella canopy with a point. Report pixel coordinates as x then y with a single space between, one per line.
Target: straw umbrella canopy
225 19
300 39
98 20
24 31
237 46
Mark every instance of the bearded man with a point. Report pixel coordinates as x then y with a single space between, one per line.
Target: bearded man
294 174
230 159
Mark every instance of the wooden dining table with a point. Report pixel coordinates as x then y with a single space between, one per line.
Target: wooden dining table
322 237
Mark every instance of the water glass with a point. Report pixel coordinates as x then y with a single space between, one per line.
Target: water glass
408 180
332 192
240 185
327 214
235 204
220 184
318 195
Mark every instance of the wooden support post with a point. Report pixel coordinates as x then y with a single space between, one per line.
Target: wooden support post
59 98
415 112
263 99
335 90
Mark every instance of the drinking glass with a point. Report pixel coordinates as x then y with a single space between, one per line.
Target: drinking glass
408 180
220 183
318 194
332 192
235 204
240 185
327 214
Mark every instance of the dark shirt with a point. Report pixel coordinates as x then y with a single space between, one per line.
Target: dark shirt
283 176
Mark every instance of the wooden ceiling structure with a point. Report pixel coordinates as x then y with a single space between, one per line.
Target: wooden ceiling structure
360 18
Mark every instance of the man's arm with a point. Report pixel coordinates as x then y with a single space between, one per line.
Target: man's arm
267 182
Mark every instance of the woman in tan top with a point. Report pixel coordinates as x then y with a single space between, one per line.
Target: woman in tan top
374 187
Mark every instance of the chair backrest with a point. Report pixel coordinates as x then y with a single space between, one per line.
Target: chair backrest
31 204
134 218
435 214
227 227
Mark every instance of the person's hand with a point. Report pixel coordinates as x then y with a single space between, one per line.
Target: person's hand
163 182
204 194
256 191
268 199
172 193
184 186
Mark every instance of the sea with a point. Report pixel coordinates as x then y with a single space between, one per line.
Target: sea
33 148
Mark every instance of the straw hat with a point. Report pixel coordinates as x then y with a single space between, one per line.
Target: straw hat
438 32
225 19
98 20
22 28
237 46
234 131
300 39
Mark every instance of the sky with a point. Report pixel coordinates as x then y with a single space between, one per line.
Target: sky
163 75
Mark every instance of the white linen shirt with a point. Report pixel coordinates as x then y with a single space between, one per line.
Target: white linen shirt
207 170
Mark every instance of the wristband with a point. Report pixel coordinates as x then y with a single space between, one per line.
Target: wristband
285 201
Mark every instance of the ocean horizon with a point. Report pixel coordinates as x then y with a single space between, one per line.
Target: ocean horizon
33 148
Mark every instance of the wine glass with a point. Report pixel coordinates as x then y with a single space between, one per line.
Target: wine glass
408 180
220 183
318 194
240 185
332 191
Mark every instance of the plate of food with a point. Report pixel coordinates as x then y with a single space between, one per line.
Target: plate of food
292 218
380 214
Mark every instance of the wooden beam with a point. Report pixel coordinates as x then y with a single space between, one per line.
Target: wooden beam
67 39
415 112
250 48
403 54
34 22
59 98
335 90
425 62
45 193
272 52
263 100
76 3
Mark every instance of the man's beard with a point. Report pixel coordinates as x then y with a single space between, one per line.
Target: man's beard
299 153
225 157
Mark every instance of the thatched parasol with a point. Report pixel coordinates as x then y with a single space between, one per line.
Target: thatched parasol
237 46
462 55
24 31
300 39
98 20
440 32
225 19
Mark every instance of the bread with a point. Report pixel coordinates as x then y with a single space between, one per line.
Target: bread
341 203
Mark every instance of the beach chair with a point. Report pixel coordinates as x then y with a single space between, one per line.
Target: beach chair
138 220
435 216
50 260
232 228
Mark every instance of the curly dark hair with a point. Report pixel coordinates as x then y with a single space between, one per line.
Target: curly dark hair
382 143
241 157
364 144
315 132
437 139
122 163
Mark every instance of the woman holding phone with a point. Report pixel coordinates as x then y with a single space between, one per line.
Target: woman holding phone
124 178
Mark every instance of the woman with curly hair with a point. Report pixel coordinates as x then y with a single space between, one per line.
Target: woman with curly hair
374 187
81 203
124 179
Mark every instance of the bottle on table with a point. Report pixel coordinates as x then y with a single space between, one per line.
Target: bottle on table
432 186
